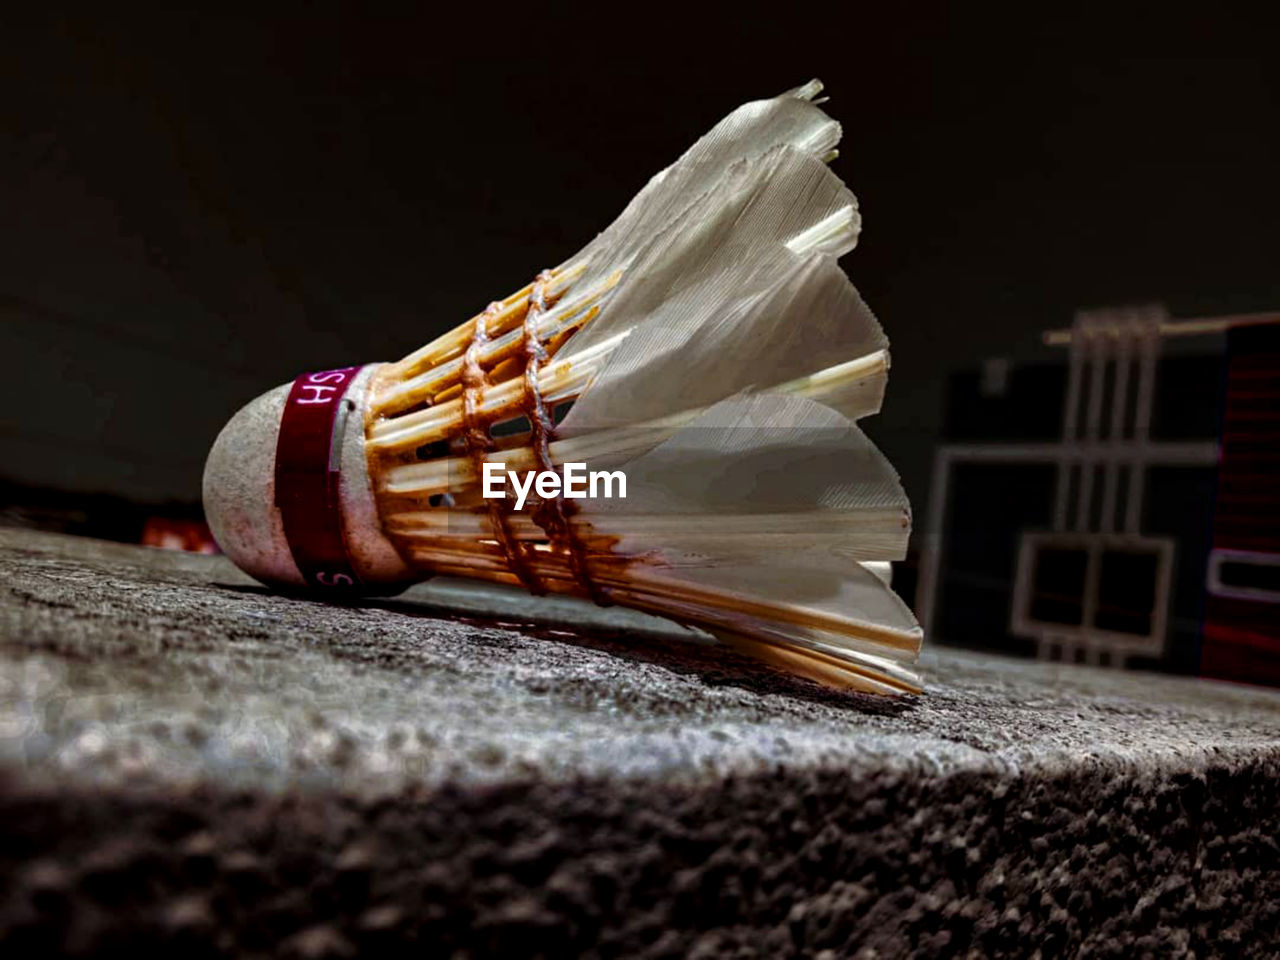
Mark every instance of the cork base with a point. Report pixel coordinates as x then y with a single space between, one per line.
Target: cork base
240 497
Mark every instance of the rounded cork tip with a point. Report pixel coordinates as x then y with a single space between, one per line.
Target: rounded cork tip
239 491
240 496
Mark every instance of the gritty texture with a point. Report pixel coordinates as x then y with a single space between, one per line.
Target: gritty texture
191 763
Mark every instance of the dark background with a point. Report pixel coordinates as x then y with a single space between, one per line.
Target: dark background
194 208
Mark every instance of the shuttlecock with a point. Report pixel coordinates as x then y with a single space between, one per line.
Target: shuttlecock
705 350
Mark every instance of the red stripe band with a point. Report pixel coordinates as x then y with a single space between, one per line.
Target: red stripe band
308 468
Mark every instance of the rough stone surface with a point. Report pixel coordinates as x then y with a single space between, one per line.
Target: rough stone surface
191 763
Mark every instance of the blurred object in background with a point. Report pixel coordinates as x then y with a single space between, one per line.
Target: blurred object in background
169 533
173 526
1086 515
1242 610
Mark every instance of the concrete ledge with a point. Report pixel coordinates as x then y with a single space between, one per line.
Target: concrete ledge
190 762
